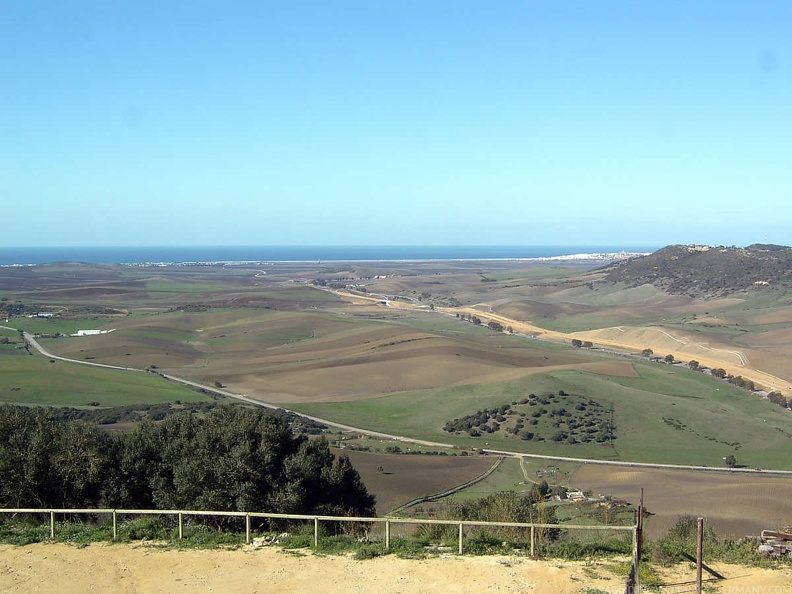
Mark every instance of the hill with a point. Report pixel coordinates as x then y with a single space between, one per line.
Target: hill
707 272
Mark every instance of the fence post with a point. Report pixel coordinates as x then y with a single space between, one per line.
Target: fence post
247 528
699 552
52 524
316 533
461 532
639 542
387 535
115 526
533 538
181 527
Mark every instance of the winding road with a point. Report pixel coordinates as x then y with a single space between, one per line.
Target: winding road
520 455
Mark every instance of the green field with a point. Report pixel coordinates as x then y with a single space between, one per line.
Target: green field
57 325
33 380
666 415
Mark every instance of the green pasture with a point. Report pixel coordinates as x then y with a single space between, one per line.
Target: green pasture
534 273
609 295
446 325
33 380
666 415
165 286
58 325
159 333
507 477
766 299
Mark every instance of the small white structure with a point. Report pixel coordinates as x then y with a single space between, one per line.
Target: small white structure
91 332
576 496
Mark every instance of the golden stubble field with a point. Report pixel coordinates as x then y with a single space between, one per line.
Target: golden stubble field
287 342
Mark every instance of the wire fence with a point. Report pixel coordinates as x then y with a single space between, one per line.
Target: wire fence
386 526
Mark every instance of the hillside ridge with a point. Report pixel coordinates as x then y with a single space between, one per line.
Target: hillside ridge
707 272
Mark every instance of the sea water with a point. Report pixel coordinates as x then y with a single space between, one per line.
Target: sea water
10 256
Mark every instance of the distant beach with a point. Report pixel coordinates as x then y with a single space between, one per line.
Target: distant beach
21 256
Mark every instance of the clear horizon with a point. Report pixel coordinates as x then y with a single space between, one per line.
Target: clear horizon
355 123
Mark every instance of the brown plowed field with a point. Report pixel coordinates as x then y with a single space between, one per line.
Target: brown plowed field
408 476
733 504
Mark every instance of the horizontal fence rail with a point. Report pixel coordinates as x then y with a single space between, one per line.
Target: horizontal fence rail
317 519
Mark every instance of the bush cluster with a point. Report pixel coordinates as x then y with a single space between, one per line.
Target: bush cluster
563 417
232 459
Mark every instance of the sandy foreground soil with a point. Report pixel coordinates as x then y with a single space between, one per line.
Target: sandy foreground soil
138 568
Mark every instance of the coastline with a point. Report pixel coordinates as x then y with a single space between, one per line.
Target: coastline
197 256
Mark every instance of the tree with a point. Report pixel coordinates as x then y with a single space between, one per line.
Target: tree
587 344
577 343
669 359
730 461
647 352
233 459
719 372
238 459
693 364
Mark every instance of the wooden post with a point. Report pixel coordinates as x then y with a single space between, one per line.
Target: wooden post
639 542
115 526
52 524
387 535
181 526
699 553
461 534
316 533
247 528
533 539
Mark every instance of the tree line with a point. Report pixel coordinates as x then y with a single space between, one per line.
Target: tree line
232 459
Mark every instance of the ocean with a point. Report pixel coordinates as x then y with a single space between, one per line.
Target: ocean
10 256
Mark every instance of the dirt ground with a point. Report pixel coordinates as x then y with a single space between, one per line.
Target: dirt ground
735 505
137 568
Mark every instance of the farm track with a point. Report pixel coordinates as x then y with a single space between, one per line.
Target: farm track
519 455
734 361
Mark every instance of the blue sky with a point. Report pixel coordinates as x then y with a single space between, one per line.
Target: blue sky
309 123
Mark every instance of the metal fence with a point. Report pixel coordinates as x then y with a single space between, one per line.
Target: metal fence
388 522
